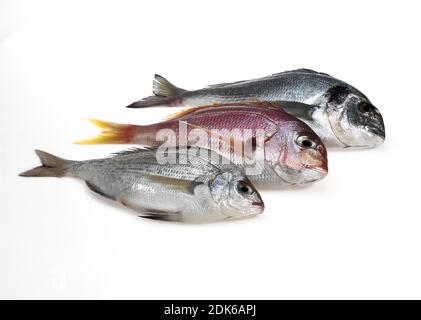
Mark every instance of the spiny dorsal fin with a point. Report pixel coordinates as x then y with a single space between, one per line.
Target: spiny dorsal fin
302 70
128 151
189 110
182 113
218 85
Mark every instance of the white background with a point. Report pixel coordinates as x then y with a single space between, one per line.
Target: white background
356 234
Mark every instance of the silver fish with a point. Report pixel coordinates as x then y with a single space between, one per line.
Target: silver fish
196 191
339 113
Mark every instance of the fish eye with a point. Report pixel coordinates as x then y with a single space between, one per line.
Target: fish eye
365 107
244 188
305 142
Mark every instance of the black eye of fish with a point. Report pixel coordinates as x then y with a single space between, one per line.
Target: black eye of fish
244 188
305 142
365 107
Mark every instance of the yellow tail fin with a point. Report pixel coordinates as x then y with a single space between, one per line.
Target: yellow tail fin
111 133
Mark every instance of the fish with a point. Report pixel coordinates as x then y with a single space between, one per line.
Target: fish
163 186
293 154
339 113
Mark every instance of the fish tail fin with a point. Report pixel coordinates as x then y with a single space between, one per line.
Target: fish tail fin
163 88
151 101
52 166
165 93
111 133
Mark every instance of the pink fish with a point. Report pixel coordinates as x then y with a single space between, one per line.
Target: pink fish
292 153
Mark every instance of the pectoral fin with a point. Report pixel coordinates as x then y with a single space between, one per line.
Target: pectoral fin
185 186
298 109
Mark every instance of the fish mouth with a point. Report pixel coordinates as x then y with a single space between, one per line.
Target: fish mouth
259 206
302 175
378 132
315 173
319 164
321 170
318 171
374 136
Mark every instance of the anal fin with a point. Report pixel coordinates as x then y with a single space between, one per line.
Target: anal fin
97 190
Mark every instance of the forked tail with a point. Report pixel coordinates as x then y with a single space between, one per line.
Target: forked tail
165 94
52 166
111 133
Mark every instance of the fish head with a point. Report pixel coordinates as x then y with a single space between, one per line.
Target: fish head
302 154
354 120
235 194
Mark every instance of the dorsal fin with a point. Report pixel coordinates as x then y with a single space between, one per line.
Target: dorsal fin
225 84
303 70
127 151
181 113
189 110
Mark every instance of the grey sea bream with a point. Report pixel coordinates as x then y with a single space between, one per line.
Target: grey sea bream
172 186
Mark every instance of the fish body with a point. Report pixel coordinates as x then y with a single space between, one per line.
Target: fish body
293 153
339 113
196 190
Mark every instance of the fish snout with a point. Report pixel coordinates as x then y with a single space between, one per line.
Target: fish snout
316 160
376 128
322 171
374 136
317 168
379 132
315 173
258 207
324 168
258 204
